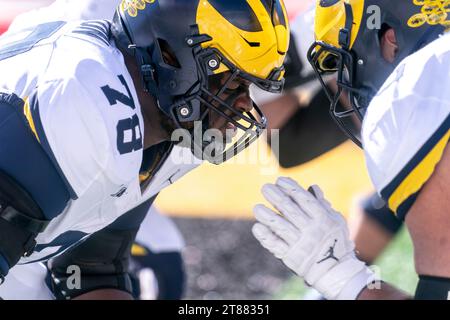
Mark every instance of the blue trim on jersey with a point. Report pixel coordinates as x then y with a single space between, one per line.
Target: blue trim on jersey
403 209
38 33
64 241
96 29
4 265
387 192
133 218
34 108
24 160
128 221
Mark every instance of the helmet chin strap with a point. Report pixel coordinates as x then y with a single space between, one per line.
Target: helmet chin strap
345 34
147 71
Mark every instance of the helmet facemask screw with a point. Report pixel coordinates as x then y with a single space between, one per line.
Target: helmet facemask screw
213 63
360 62
185 111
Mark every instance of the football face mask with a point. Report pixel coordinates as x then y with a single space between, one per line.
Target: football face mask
348 103
230 121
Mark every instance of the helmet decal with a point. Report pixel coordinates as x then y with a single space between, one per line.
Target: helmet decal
256 47
133 6
248 22
433 12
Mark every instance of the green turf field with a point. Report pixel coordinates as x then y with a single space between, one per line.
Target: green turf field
396 266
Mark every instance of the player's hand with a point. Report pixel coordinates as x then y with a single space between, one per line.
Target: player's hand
311 239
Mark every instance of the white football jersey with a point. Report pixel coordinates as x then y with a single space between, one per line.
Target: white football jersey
26 282
407 125
83 109
66 10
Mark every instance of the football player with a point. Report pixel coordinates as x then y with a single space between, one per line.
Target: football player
301 114
88 110
158 249
393 62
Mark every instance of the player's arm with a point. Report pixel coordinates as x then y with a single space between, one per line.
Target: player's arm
384 292
429 226
32 189
102 259
45 139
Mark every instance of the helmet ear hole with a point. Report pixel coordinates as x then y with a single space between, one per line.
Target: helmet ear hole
168 54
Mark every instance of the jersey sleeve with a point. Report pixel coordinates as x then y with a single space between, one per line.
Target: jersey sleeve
405 132
67 123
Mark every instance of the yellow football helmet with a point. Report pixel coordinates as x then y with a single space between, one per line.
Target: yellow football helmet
348 41
247 39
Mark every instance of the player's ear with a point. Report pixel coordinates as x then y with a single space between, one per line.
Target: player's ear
389 45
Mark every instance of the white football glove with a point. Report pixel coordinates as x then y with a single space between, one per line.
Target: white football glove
311 239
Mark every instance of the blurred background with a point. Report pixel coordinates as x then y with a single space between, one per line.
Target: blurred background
212 206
